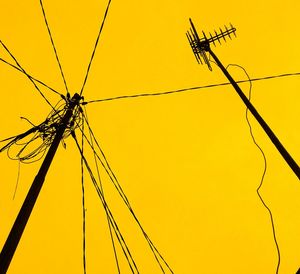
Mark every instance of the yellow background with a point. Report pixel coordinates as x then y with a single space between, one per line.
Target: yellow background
186 161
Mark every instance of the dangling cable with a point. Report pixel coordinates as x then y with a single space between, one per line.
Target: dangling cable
264 170
18 178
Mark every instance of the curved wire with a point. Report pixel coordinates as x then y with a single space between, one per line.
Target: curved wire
264 170
31 145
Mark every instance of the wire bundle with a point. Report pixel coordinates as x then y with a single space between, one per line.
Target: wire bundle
31 145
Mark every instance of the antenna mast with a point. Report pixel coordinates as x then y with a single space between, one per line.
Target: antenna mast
200 47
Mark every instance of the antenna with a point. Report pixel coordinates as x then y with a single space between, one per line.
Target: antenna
200 47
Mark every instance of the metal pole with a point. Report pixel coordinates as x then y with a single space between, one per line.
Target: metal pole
16 232
284 153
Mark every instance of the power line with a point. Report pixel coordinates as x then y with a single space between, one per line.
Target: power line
101 188
158 256
31 77
95 47
53 45
83 204
105 164
189 89
126 251
22 69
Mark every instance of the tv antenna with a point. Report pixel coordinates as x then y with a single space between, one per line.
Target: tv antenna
200 47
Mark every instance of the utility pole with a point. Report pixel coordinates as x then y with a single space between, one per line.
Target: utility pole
16 232
200 47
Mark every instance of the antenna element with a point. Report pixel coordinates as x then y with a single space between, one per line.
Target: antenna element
201 45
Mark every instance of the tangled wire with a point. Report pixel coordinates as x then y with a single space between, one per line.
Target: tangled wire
31 145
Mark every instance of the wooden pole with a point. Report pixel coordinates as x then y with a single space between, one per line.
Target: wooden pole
16 232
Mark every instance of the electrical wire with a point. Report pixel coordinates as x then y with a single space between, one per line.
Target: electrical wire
53 46
130 260
95 48
18 178
188 89
264 169
117 185
32 78
31 145
83 204
115 182
28 76
101 188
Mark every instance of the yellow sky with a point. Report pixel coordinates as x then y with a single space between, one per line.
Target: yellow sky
186 161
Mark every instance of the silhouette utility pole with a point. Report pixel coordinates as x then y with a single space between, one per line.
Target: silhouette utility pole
16 232
200 47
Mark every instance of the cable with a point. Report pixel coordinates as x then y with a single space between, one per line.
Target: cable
36 87
264 170
115 182
32 144
131 262
101 187
117 185
188 89
32 78
18 178
83 204
95 47
53 46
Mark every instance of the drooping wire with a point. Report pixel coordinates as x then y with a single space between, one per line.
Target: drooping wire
83 204
130 260
18 178
104 162
95 48
32 78
189 89
53 46
264 170
28 76
101 188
